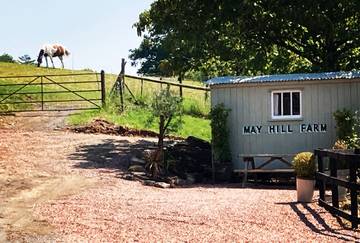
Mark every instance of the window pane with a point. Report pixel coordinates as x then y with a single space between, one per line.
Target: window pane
286 104
277 104
296 103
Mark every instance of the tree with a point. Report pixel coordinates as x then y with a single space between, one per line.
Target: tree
6 58
149 55
166 108
26 59
256 37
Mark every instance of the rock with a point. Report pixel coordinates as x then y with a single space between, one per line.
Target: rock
181 182
192 156
156 184
136 168
141 175
162 185
197 142
136 161
149 183
190 179
129 177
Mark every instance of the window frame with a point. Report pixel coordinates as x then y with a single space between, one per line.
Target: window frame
287 117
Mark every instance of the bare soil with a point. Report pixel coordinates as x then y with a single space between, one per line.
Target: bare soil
60 186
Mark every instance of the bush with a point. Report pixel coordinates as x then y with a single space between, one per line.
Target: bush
304 165
347 127
220 133
6 58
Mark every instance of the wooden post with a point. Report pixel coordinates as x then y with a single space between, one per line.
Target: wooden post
123 63
334 187
180 88
121 84
103 92
42 93
353 193
142 86
321 182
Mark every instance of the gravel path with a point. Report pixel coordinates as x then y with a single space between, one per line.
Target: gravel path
65 187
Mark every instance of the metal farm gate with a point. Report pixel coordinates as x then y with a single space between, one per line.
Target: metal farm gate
61 92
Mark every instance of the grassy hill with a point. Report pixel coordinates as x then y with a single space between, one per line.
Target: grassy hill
196 103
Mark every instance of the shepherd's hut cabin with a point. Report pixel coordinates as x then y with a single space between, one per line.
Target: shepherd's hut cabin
281 115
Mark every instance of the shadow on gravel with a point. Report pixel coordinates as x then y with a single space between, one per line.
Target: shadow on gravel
308 212
239 185
110 154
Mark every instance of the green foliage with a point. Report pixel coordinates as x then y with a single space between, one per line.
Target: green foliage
220 133
304 165
347 127
254 37
6 58
166 108
150 56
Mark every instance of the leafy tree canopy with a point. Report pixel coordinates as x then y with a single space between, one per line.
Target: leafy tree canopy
6 58
253 37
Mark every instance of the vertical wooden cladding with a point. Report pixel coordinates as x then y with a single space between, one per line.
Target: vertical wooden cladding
251 105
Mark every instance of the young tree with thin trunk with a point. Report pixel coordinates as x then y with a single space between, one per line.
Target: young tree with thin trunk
166 108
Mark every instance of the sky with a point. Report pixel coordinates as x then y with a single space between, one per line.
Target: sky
97 33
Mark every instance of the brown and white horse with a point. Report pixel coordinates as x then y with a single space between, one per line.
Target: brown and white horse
52 50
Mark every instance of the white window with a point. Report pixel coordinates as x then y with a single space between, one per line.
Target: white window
286 104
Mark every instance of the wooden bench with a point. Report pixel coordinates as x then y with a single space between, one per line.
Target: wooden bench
249 162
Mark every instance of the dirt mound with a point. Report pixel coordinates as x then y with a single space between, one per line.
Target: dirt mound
105 127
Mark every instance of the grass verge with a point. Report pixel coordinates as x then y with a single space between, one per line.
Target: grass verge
136 117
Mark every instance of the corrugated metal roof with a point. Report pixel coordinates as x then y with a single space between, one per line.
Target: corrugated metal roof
283 77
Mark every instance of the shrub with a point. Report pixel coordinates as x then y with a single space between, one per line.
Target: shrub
347 126
304 165
6 58
220 133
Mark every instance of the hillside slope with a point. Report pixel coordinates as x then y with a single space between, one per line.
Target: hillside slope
196 103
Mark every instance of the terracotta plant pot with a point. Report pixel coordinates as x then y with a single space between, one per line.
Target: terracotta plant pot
305 189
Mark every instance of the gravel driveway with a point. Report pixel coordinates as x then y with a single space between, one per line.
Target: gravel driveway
66 187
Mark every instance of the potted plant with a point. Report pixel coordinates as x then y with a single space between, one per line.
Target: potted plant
304 166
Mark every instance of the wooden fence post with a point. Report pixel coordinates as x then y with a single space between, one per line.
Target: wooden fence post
353 194
121 83
141 89
334 188
42 93
103 92
321 183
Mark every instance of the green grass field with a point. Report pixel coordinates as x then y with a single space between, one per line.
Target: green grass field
196 103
